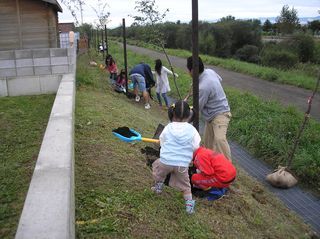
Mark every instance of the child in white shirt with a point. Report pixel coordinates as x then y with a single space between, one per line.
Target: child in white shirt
178 141
162 82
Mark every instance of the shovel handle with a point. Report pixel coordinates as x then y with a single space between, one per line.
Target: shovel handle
150 140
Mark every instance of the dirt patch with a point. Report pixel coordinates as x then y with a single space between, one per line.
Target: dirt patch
125 132
259 195
151 154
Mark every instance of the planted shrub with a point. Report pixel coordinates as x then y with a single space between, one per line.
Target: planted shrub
282 59
249 53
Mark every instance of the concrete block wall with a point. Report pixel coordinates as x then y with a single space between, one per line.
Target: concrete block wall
49 210
34 71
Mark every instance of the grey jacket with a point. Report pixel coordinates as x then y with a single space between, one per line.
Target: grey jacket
212 99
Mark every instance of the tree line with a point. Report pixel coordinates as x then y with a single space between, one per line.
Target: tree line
239 39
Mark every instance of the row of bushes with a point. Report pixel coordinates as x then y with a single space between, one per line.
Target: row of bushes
284 55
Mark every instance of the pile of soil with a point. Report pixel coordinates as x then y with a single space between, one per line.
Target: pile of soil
125 132
152 154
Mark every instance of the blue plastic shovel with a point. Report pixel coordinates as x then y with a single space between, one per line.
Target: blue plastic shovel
130 135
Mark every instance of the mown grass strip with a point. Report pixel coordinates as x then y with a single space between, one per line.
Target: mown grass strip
23 122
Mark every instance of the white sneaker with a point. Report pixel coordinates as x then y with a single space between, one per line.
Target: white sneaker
190 206
157 188
147 106
137 98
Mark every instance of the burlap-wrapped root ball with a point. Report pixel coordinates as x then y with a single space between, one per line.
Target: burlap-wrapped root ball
281 178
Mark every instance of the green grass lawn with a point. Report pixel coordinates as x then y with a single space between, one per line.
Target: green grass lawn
113 196
23 122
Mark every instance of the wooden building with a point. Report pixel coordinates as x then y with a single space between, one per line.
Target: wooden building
66 27
28 24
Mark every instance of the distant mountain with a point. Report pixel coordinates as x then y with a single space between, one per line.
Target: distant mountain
303 20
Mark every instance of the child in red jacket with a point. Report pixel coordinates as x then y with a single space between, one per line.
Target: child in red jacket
213 170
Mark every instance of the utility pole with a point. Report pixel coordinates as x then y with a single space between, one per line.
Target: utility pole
102 43
125 52
106 38
195 62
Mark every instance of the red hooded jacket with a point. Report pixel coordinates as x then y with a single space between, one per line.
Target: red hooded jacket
211 163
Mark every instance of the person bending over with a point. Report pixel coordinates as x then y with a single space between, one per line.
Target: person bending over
214 107
142 78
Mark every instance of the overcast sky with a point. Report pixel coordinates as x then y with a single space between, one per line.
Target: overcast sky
209 10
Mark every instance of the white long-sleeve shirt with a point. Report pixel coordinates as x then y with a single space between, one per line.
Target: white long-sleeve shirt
178 141
162 81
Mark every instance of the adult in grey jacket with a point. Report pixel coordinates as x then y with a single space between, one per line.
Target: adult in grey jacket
214 107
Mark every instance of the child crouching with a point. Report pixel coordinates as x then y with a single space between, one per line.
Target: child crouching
121 82
178 141
213 170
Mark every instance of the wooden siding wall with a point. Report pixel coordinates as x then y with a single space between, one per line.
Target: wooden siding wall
9 27
26 24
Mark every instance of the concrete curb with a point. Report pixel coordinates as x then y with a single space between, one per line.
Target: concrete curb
49 208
